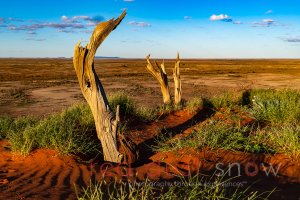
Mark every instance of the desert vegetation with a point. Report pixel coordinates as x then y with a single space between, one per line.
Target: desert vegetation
253 123
245 122
190 188
266 130
70 131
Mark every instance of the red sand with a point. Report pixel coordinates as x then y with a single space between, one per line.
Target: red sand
45 175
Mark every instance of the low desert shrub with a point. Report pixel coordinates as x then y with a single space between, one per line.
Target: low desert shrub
128 108
9 125
146 114
127 105
275 106
215 135
194 105
69 132
225 100
275 138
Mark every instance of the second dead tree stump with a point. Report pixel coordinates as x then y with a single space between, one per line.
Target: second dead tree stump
159 72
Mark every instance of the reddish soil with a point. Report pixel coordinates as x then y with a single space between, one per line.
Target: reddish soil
45 175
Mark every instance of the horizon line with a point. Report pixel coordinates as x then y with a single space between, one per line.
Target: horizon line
139 58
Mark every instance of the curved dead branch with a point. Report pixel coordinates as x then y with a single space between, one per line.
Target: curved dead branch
105 120
160 74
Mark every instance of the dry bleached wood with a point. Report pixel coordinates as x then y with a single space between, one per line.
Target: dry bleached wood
177 81
160 74
105 120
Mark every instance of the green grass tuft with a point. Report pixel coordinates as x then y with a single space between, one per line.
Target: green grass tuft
213 135
216 135
275 138
279 110
225 100
275 106
146 114
69 132
9 125
127 105
128 108
194 105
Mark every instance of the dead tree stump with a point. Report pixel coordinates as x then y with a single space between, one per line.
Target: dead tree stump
160 74
107 123
177 82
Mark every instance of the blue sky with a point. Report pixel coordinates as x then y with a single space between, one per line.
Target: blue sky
195 28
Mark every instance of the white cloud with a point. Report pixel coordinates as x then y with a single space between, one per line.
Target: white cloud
15 19
34 27
36 39
76 19
268 21
91 24
67 24
65 31
269 12
64 18
220 17
82 17
31 33
187 17
9 20
237 22
139 24
264 23
128 0
291 39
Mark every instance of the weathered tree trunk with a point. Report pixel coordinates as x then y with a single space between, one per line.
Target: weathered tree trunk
177 81
106 121
162 77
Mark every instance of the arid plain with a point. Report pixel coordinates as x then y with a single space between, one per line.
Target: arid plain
42 86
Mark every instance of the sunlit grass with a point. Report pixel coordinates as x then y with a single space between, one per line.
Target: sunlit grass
275 106
194 105
275 129
192 188
73 131
69 132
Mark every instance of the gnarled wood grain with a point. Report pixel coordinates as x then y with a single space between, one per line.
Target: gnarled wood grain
177 82
160 74
105 120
